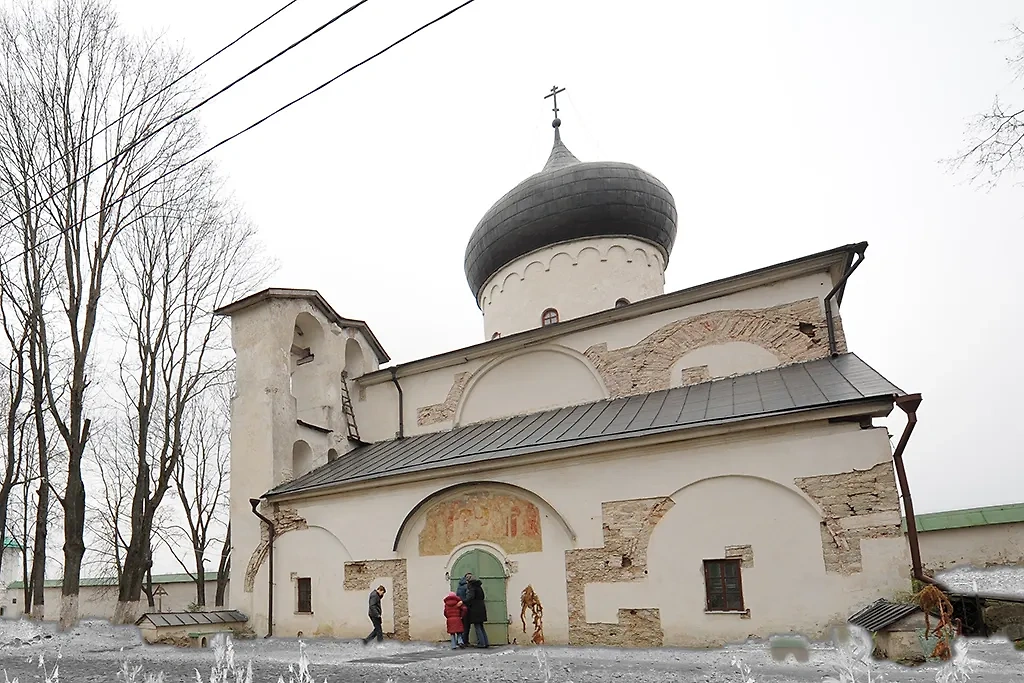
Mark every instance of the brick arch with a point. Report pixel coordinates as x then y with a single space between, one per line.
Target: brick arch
794 333
798 493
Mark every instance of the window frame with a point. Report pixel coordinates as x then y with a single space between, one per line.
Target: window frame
544 317
622 302
722 563
299 583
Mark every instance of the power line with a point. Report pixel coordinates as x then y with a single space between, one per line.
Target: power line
159 92
243 131
182 115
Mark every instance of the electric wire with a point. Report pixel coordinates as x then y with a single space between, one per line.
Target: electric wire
180 116
157 93
239 133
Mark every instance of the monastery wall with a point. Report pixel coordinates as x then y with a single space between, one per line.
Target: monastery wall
757 329
614 546
574 278
993 545
99 602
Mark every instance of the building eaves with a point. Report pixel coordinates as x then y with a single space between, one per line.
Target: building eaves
319 302
969 517
814 385
179 619
839 259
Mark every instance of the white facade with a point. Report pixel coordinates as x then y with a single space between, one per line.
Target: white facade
613 550
573 279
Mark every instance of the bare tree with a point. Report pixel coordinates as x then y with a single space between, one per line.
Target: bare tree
201 480
72 72
995 144
187 257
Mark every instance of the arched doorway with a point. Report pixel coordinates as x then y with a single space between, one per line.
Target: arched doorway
491 573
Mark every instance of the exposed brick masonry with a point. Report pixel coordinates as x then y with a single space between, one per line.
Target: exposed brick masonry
627 525
285 520
444 412
795 333
856 505
359 576
743 552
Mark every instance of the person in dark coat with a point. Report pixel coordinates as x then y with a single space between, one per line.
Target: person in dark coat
376 616
453 614
477 613
463 593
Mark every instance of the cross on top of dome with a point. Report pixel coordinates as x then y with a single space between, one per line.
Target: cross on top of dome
554 96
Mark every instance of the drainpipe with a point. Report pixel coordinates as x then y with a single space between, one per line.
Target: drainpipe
909 405
401 404
835 290
270 570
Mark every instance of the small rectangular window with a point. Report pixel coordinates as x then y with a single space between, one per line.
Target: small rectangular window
723 585
305 596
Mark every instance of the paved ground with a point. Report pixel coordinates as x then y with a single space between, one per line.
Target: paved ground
96 652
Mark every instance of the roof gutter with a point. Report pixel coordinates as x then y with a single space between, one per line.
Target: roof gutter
909 405
270 570
401 404
838 291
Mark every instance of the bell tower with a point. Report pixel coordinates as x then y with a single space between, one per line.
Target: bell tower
290 412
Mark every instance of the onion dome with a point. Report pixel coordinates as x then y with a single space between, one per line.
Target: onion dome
570 200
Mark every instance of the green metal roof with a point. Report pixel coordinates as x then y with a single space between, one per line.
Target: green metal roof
98 581
971 517
12 543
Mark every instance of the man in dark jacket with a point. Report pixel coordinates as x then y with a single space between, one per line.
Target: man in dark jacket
463 592
477 614
375 616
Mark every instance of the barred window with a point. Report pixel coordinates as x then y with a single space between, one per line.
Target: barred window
723 585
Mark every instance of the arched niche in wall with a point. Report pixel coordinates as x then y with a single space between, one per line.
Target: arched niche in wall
355 365
528 382
302 459
722 360
307 345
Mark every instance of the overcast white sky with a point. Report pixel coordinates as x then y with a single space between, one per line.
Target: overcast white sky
782 128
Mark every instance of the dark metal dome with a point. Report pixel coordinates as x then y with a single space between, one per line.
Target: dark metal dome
570 200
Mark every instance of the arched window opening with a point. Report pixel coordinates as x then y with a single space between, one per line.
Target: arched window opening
549 317
621 302
332 455
495 335
302 459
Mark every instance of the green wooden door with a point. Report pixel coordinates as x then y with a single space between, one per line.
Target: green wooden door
488 569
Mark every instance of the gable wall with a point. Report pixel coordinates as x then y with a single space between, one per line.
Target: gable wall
744 332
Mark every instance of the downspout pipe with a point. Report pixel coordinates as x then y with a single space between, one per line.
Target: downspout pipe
270 570
909 405
829 320
401 404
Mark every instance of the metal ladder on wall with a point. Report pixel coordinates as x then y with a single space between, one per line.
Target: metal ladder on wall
346 409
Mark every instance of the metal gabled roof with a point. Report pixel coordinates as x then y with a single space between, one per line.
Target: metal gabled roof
802 386
881 613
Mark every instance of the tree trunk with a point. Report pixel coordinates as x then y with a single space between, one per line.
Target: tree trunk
224 569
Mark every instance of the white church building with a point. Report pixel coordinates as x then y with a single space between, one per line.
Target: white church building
684 468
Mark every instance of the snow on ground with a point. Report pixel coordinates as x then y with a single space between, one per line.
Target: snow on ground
95 651
996 581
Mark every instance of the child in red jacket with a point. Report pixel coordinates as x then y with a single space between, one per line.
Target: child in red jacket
454 612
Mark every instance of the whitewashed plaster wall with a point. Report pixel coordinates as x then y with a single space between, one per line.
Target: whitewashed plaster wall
10 568
531 380
99 602
575 278
729 490
978 546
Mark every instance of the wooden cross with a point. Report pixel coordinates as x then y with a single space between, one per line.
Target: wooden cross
554 94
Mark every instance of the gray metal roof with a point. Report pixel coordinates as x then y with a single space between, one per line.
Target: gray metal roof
880 614
161 619
802 386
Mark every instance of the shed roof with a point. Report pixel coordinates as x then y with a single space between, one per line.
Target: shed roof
799 387
173 619
881 613
969 517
